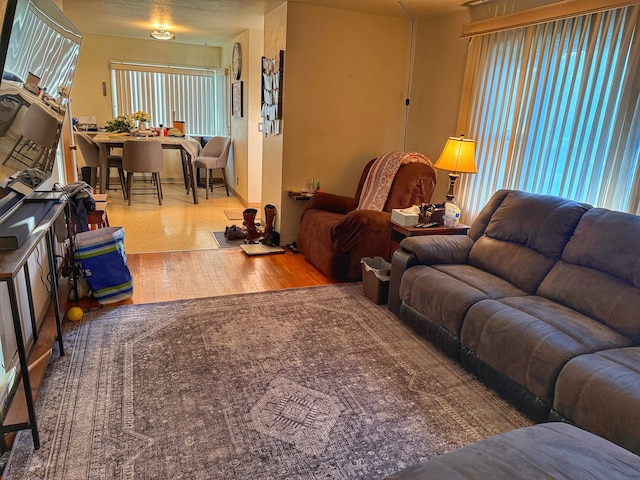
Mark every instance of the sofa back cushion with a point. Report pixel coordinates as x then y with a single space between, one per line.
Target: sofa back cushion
524 236
599 273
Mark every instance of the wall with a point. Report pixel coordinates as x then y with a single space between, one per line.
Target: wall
345 76
247 140
438 73
275 38
93 69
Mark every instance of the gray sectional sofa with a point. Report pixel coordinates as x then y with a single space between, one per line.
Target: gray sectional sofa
551 451
541 300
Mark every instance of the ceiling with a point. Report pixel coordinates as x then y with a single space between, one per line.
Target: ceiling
216 22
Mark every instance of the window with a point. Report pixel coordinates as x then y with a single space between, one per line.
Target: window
193 95
555 109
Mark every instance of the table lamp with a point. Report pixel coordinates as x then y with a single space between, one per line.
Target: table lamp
458 157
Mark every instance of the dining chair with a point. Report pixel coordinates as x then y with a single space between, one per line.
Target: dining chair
215 154
37 133
143 156
91 154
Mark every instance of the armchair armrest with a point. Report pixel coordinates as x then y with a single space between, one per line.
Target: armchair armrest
427 250
366 231
331 203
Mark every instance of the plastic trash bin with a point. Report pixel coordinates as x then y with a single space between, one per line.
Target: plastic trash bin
376 273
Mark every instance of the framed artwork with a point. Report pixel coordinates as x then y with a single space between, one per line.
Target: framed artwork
236 99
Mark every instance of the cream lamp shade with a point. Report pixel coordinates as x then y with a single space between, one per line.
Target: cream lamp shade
458 156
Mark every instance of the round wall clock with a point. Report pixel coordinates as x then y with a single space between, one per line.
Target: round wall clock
236 60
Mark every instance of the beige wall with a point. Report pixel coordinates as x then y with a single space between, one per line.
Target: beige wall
247 141
345 77
436 86
275 38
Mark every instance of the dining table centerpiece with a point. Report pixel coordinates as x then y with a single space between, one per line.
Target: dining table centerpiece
142 118
120 124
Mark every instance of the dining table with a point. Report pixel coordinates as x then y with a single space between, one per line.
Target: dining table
189 151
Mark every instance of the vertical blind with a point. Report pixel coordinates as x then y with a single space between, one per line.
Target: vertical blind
555 109
195 96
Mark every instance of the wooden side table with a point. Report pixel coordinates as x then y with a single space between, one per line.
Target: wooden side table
397 233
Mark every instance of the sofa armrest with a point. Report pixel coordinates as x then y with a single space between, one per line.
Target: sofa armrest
331 203
438 249
401 261
427 250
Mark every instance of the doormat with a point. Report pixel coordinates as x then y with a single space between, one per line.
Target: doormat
234 213
224 243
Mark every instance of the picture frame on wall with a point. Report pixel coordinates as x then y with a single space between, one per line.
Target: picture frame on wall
236 99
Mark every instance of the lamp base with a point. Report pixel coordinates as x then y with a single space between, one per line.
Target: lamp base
452 183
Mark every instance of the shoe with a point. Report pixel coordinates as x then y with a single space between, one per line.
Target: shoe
269 218
272 239
293 246
249 216
233 233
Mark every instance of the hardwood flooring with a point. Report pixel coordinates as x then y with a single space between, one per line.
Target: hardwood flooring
160 277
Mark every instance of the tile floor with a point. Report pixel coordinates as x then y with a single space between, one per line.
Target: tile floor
176 225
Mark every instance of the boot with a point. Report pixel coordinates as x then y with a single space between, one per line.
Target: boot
249 216
271 237
269 218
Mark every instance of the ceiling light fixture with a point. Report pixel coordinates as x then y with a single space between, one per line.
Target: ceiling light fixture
162 34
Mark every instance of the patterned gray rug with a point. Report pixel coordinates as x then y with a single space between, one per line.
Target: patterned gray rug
312 383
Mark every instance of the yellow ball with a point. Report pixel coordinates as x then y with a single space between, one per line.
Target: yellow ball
75 314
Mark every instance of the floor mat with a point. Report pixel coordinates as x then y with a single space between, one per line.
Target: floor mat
224 243
234 213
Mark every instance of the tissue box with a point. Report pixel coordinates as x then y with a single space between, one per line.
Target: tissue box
405 219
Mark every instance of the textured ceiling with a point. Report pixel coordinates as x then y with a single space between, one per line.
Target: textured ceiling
215 22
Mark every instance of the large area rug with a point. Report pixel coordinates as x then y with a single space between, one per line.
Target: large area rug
311 383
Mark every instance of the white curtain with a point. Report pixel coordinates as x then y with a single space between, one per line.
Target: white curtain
555 109
192 95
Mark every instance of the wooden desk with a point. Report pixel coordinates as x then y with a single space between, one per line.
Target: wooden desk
189 149
12 263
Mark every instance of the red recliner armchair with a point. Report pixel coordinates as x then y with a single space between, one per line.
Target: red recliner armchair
334 236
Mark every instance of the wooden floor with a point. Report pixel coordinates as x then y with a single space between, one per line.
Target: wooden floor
160 277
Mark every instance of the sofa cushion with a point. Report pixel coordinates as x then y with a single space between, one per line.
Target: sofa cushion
529 339
444 293
601 393
524 236
550 450
599 274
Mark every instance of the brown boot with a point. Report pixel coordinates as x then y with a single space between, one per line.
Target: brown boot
249 216
269 218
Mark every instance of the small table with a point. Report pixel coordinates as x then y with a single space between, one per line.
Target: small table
397 233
